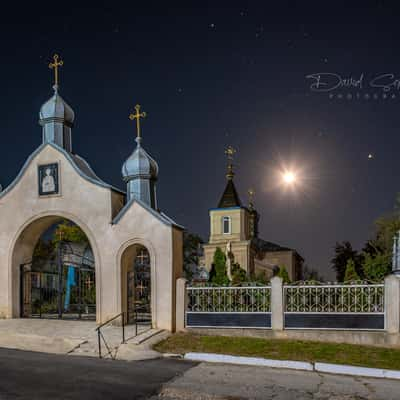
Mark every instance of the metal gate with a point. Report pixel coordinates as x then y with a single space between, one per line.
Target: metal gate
139 289
59 287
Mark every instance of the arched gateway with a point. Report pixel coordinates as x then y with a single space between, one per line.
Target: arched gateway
136 249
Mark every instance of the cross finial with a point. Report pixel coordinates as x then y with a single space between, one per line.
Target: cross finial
251 192
137 116
57 62
229 152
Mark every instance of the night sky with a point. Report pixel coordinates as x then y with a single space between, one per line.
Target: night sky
212 74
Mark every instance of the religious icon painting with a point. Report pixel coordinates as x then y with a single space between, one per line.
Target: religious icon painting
48 179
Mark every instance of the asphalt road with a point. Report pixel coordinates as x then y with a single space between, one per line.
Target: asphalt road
28 375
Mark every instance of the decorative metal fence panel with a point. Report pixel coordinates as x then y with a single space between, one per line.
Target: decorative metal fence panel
358 306
229 307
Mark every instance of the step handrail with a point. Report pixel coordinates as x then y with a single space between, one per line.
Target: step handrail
101 336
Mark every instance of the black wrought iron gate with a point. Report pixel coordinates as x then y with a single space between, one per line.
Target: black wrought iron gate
62 288
139 289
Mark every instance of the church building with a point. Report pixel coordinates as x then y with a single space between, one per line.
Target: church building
234 229
135 249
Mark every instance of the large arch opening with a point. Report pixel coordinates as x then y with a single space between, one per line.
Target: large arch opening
53 271
136 291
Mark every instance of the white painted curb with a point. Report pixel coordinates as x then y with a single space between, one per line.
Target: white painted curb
358 371
264 362
299 365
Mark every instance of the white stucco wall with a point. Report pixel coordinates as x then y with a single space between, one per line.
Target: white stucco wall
22 221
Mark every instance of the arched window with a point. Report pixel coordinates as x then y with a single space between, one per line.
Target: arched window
226 225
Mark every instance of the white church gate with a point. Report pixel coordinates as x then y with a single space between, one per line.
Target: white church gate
59 287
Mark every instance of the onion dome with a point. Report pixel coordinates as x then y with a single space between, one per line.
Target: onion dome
139 165
56 110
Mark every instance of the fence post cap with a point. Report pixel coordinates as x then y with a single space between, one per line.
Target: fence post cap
392 277
277 279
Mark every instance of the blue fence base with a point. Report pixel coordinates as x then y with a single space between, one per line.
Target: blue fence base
334 321
228 320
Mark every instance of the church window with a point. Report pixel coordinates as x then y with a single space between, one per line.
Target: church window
226 225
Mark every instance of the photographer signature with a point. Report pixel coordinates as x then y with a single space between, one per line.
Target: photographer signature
328 81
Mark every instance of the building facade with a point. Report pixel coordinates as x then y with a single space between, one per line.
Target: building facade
234 229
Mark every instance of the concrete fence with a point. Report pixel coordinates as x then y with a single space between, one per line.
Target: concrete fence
300 307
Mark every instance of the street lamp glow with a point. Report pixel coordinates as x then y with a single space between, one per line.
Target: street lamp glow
289 177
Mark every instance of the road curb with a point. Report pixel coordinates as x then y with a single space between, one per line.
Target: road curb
297 365
264 362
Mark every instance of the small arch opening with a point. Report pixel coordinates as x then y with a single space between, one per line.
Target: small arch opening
136 285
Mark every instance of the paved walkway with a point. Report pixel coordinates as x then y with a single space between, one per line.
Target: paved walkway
70 337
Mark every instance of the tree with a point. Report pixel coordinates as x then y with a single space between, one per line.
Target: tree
238 274
282 273
69 232
376 267
219 276
191 252
310 274
343 253
351 273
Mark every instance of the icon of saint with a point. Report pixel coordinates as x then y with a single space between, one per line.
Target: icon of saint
48 183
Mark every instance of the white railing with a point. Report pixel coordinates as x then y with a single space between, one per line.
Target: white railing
251 299
334 298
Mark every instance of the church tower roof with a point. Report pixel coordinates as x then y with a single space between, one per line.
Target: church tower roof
230 197
140 170
56 108
139 164
56 116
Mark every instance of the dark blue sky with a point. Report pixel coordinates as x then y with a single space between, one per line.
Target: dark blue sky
210 74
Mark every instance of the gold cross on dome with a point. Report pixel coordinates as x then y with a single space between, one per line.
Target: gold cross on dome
57 62
230 152
137 116
251 193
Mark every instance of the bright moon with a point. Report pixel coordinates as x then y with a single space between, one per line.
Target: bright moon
289 177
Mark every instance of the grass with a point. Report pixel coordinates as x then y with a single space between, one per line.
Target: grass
279 349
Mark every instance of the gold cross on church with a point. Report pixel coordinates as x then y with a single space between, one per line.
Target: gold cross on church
57 62
137 116
229 152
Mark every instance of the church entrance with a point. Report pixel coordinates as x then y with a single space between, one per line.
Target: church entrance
59 281
137 273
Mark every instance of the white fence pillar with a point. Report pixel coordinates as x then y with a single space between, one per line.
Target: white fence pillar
277 303
392 304
181 303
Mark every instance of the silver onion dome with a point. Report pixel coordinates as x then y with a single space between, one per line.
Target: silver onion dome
139 164
56 109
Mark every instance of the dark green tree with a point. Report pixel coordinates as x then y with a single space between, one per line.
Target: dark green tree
220 277
376 266
69 232
282 273
343 253
191 250
238 274
350 274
